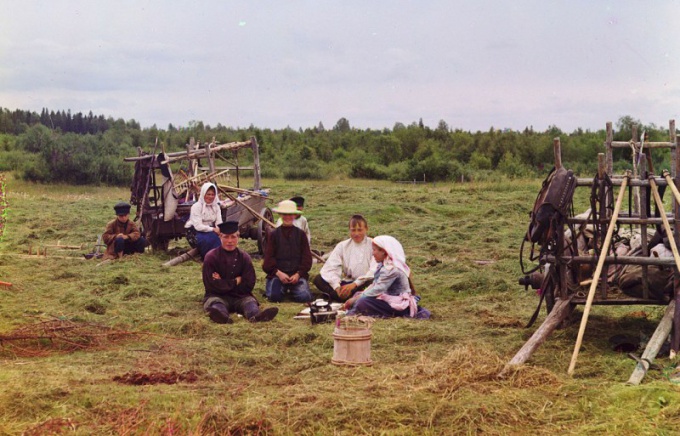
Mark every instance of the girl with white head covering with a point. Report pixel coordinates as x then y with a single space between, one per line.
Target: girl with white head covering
390 294
205 218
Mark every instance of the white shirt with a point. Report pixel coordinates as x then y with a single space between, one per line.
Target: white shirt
350 261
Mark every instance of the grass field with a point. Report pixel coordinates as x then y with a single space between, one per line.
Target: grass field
124 347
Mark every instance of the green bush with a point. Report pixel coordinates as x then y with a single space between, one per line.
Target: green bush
305 170
369 170
512 166
34 169
12 160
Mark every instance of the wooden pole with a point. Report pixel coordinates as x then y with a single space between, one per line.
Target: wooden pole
675 172
666 225
253 211
241 190
608 148
676 193
596 276
653 346
557 152
560 312
257 184
191 254
674 248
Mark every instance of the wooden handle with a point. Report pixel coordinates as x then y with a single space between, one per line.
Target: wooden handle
664 218
596 276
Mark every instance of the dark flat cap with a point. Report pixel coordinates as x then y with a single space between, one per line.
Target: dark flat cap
122 208
228 227
299 201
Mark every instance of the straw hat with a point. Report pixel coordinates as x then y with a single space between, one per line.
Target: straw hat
287 207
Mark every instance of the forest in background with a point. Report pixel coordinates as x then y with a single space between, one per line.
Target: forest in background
89 149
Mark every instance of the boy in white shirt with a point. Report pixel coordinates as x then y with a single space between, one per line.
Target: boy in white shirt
350 267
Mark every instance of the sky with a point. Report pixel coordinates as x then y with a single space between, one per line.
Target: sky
475 64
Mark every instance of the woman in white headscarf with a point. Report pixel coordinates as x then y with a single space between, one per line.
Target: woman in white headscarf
390 294
205 218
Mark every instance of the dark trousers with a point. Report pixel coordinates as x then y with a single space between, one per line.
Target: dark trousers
246 306
206 241
323 286
371 306
128 246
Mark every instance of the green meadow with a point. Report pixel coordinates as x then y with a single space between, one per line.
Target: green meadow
91 347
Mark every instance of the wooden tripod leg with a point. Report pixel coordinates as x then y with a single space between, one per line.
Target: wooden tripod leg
596 276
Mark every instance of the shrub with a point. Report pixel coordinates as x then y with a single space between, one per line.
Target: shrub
511 166
305 170
369 170
12 160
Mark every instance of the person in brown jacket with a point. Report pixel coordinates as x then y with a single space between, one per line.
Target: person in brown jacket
122 236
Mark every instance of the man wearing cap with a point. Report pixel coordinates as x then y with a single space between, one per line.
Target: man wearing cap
122 236
287 258
229 279
300 221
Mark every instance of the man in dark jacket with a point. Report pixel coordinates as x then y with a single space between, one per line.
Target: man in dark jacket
287 258
229 279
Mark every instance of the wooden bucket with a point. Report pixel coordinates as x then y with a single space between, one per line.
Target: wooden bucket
352 346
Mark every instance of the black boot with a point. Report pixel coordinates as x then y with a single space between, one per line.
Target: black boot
218 313
266 315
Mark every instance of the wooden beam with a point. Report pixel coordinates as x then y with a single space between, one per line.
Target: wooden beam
653 346
560 312
191 254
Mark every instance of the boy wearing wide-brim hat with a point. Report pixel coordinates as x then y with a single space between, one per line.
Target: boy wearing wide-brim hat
122 236
287 258
300 221
229 279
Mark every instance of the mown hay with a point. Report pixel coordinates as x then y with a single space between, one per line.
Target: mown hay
58 336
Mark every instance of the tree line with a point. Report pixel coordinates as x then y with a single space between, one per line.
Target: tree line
89 149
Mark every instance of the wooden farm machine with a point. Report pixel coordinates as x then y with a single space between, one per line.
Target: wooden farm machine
165 186
607 255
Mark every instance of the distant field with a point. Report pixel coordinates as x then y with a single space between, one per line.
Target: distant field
103 328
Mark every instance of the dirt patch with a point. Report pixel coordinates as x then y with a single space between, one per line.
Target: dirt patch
168 378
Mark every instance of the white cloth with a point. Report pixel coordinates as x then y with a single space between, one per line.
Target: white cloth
350 261
395 253
301 223
204 217
660 250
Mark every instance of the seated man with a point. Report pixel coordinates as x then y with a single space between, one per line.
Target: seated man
350 267
229 279
122 236
287 258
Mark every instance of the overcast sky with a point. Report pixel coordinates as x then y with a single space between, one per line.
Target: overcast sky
474 64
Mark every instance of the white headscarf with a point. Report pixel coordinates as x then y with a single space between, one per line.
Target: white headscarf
214 206
395 253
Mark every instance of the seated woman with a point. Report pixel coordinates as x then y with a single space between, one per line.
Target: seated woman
390 293
205 218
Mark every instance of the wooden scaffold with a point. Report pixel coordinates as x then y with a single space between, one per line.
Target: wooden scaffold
563 264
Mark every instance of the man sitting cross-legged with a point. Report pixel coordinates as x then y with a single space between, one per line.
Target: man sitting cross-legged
350 267
229 279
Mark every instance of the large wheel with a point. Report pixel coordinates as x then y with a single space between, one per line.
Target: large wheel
160 244
263 229
150 229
